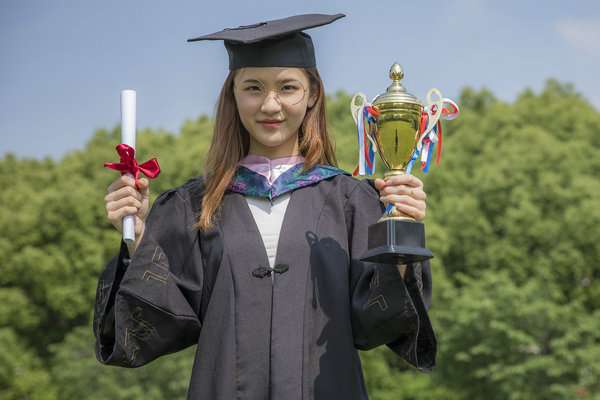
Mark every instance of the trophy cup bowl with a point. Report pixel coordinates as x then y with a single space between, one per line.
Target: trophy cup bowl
396 238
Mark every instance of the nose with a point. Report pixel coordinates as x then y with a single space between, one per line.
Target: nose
271 103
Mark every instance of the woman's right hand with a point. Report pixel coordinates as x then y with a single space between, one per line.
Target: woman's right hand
123 199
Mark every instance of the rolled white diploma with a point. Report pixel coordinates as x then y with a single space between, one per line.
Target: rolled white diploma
128 137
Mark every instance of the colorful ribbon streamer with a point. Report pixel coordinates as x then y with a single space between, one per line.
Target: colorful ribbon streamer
431 135
366 143
129 165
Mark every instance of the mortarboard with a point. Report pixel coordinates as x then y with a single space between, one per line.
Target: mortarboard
278 43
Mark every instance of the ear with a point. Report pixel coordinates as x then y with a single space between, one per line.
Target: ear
312 99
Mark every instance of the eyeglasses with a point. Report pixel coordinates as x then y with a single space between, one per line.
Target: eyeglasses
254 92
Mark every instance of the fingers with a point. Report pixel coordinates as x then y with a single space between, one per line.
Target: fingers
144 187
117 209
379 184
410 205
417 211
124 198
407 185
398 194
406 193
124 180
126 191
129 205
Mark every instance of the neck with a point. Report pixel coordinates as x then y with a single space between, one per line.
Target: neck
282 151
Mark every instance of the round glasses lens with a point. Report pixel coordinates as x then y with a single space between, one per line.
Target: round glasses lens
291 92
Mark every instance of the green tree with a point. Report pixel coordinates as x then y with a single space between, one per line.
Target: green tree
80 376
513 340
514 202
55 242
512 220
22 375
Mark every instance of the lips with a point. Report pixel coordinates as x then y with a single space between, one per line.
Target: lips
271 123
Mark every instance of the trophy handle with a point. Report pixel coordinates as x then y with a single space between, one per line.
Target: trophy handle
358 101
432 118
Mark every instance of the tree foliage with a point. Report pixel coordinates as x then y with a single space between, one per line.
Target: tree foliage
513 211
512 219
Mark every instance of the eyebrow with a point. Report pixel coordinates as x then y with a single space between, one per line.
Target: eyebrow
253 80
250 80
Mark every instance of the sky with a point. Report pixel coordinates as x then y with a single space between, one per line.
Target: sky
63 63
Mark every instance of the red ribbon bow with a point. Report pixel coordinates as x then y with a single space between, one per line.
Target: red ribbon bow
129 165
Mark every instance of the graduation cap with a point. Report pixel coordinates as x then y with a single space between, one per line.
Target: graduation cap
278 43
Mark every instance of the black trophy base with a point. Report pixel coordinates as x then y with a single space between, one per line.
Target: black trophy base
397 242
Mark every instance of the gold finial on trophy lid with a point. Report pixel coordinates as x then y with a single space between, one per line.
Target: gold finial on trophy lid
396 93
396 72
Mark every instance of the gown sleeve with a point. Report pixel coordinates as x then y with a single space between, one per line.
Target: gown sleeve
150 307
387 309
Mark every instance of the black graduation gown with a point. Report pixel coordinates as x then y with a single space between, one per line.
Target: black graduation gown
291 337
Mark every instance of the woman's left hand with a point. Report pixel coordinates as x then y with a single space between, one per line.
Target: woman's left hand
406 193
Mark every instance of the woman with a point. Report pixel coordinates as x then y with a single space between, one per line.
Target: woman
258 262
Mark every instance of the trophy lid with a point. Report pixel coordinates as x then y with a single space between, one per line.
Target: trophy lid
396 93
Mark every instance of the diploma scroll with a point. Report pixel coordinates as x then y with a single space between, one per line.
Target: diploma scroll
128 128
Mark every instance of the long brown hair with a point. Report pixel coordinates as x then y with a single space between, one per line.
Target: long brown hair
230 143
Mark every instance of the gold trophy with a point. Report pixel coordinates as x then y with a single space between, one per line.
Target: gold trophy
397 238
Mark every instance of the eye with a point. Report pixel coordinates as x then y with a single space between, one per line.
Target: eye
254 89
291 87
291 91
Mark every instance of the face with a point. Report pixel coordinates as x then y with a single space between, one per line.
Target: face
267 101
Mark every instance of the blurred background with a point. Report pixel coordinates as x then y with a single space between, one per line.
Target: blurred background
512 207
64 62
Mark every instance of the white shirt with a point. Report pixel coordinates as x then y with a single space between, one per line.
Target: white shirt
267 214
269 219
